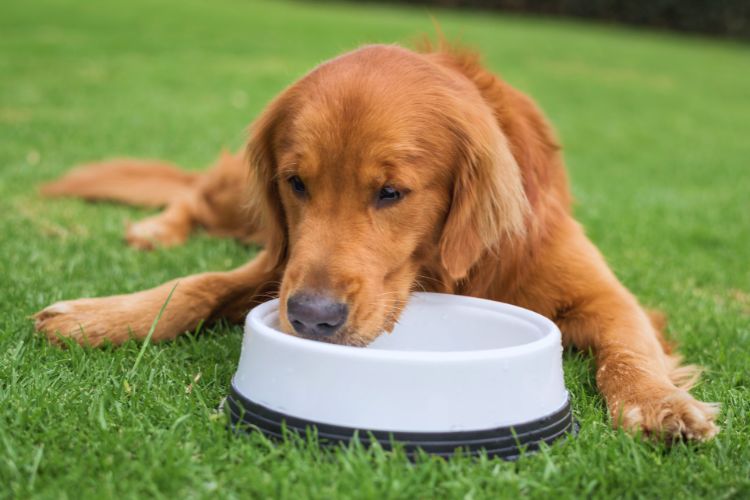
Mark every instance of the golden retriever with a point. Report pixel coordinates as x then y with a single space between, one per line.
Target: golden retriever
381 172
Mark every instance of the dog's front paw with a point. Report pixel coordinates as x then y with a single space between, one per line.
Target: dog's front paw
668 414
86 321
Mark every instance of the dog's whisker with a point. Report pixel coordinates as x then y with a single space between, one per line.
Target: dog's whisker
419 284
429 278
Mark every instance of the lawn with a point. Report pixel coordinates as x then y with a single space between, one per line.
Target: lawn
655 131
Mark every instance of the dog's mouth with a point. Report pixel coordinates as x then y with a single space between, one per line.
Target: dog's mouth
347 336
342 337
350 335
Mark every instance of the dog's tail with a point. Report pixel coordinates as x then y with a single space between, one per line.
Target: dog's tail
134 182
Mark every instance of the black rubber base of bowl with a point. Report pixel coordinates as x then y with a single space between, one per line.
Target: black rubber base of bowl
503 442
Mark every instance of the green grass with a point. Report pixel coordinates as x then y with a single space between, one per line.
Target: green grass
655 129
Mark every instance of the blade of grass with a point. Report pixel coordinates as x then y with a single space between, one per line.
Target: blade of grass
150 334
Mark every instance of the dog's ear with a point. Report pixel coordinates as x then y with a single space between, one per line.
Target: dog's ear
265 200
489 205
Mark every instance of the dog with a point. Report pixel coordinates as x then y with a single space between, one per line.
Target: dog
381 172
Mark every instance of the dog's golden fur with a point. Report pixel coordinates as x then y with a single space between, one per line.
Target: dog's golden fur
486 213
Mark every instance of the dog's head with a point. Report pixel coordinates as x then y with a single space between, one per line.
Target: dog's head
374 169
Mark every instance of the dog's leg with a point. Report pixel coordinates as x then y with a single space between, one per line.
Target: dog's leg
194 299
215 199
137 182
645 388
166 229
145 183
218 203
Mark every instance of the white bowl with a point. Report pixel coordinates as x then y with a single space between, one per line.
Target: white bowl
455 372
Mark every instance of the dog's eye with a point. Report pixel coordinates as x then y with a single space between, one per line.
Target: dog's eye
388 196
297 185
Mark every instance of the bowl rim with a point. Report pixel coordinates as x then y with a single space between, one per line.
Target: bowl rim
255 322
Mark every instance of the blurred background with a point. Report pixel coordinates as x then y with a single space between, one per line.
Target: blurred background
716 17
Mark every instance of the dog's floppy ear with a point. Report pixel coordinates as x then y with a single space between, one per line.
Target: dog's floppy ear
264 188
489 205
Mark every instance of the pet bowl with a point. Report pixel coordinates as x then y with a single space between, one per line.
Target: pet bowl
456 372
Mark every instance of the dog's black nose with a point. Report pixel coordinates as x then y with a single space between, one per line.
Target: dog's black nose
314 315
